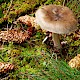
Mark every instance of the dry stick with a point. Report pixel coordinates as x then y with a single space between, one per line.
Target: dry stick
63 2
9 7
7 28
8 11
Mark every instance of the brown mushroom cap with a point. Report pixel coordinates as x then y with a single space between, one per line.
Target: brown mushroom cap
56 19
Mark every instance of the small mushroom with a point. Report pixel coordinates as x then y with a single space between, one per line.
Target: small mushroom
56 19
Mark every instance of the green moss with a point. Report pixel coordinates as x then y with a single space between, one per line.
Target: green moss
18 8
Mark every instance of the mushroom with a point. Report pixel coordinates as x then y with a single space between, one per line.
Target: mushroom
56 19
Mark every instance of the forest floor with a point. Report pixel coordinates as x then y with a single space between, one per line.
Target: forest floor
33 60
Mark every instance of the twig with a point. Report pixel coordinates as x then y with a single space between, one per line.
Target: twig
9 7
45 39
1 58
7 28
63 2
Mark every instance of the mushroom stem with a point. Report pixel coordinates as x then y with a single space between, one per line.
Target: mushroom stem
56 40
